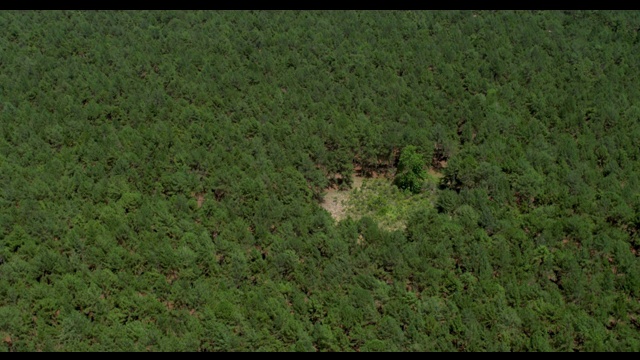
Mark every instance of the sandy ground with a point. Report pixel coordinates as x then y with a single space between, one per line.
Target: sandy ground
335 201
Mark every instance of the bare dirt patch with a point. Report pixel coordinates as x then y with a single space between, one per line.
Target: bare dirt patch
335 201
373 194
199 198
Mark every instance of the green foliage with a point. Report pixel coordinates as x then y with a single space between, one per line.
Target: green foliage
161 173
385 203
410 174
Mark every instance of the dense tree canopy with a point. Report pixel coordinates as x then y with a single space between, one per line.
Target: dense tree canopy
161 174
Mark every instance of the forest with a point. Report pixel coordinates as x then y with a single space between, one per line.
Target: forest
162 175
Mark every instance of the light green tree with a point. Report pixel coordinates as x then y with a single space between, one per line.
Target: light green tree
411 173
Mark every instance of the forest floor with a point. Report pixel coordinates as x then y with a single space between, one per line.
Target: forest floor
378 198
335 201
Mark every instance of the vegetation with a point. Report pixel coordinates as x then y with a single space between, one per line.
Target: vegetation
411 173
161 175
386 205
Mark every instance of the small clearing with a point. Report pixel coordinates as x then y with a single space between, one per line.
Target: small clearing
199 198
336 201
379 199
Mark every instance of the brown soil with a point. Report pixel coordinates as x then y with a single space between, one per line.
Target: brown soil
199 198
335 200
